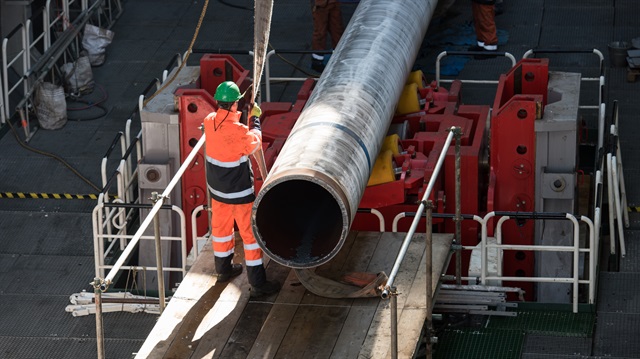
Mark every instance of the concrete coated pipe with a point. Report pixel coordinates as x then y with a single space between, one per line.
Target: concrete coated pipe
303 213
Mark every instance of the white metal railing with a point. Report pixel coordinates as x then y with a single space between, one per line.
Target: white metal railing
616 190
599 79
421 207
8 61
390 291
124 177
575 249
106 211
102 283
592 249
70 16
443 54
3 116
267 68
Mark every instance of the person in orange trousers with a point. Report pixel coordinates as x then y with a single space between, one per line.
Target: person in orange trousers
485 25
327 19
230 183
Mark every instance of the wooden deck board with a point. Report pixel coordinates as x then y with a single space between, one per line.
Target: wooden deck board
377 342
295 323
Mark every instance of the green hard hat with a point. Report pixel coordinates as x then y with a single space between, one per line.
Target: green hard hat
227 91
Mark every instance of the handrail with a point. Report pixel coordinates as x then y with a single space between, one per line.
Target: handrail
194 230
154 210
99 284
175 60
32 74
599 79
443 54
267 68
389 289
414 224
100 266
575 248
484 277
8 62
376 213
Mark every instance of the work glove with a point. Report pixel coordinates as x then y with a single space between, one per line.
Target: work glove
256 111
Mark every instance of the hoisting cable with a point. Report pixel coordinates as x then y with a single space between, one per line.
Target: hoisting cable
234 6
186 56
290 63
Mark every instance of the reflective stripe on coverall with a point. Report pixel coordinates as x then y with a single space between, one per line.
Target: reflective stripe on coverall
230 183
327 18
222 217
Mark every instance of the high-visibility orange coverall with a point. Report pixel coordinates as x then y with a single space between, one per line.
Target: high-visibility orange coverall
327 18
485 24
230 182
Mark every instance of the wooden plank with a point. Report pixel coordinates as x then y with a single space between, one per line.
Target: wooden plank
441 248
252 318
222 322
211 336
313 332
185 309
334 270
414 313
216 327
279 318
284 309
317 322
378 340
373 251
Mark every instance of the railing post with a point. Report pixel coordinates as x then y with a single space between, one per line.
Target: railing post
429 279
156 231
457 132
394 321
97 291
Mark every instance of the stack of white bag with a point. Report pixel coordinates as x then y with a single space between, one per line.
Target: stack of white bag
95 42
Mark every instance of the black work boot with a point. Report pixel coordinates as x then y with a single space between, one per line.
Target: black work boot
236 270
260 286
225 269
317 65
268 287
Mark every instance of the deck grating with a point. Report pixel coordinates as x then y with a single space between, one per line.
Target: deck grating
617 335
617 294
479 343
558 323
553 346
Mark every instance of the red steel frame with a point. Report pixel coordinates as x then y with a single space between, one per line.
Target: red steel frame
520 98
507 185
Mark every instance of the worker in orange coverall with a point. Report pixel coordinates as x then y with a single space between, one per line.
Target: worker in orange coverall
485 25
327 18
230 183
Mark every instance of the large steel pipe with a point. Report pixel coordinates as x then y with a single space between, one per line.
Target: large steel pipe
303 213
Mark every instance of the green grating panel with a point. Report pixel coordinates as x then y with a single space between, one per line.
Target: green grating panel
479 343
558 323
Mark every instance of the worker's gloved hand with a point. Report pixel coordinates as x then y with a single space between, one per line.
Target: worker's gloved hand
256 111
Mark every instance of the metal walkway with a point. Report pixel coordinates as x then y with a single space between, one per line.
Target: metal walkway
46 251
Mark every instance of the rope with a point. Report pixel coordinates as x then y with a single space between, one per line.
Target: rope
186 57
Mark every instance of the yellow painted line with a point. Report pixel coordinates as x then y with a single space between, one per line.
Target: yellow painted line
633 209
34 195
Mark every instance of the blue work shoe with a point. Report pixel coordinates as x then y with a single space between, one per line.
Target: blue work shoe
236 270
